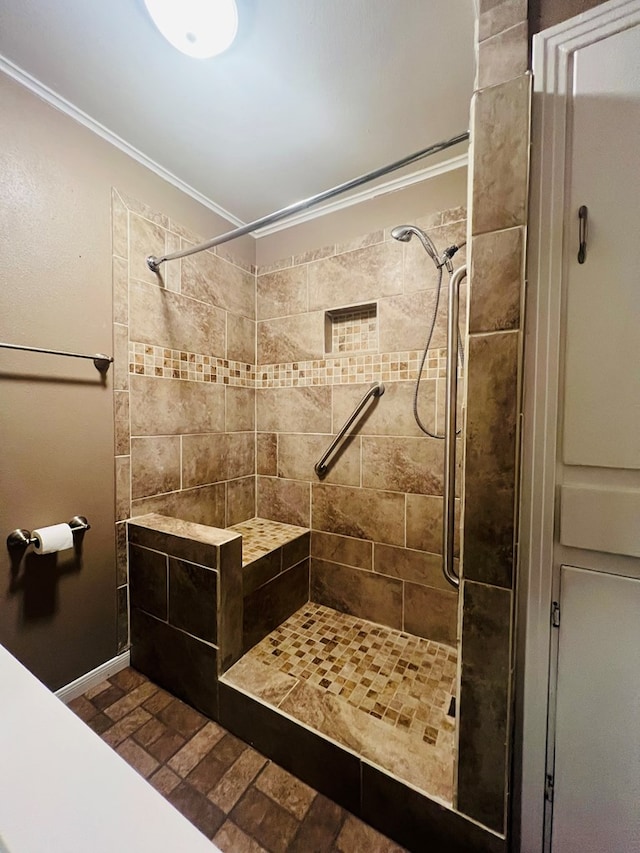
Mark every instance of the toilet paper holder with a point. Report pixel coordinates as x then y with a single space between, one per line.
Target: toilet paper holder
21 538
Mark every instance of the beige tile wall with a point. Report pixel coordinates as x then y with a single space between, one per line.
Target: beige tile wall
184 376
376 515
497 219
226 398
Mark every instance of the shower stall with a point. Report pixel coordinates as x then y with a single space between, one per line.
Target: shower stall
363 669
337 651
297 344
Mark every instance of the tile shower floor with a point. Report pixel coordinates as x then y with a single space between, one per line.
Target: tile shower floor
380 692
234 795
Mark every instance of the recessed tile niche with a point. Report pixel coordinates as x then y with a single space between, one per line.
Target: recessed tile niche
351 330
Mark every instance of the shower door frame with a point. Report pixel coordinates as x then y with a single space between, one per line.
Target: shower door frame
538 575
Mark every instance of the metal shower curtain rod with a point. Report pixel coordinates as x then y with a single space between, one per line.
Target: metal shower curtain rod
154 262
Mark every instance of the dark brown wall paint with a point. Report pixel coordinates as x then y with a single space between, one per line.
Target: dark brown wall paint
547 13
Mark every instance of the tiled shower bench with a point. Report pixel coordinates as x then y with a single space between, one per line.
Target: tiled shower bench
201 596
275 575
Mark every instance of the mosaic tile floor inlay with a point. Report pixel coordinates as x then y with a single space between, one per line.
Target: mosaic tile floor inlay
379 693
403 680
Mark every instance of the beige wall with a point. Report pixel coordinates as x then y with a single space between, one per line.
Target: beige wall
56 420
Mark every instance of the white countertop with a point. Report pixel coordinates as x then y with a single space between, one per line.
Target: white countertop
62 790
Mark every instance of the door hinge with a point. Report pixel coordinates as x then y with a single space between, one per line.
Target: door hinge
548 788
555 614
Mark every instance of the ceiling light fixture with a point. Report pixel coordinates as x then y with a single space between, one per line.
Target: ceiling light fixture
199 28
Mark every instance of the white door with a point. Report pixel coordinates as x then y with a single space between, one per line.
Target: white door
578 716
602 345
596 804
594 736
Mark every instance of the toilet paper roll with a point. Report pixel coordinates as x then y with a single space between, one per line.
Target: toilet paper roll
48 540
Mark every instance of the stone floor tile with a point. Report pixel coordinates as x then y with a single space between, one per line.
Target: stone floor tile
83 708
127 679
137 757
285 789
237 779
264 801
100 723
125 727
165 780
94 691
196 748
176 715
202 813
380 692
119 709
107 697
150 732
231 839
356 835
228 749
266 821
158 701
206 775
166 745
319 828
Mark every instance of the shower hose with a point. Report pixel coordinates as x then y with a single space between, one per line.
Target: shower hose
432 326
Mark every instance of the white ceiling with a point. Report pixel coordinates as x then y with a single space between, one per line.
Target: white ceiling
311 94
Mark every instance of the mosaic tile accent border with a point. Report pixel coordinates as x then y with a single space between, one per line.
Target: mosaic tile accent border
398 678
148 360
348 370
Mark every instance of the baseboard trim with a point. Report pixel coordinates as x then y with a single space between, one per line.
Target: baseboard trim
90 679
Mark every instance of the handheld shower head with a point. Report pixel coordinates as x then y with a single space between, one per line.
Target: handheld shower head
402 232
405 232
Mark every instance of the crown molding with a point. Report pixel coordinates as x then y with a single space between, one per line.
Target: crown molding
58 102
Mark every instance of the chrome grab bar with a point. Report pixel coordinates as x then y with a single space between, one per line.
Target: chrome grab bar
449 490
376 390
